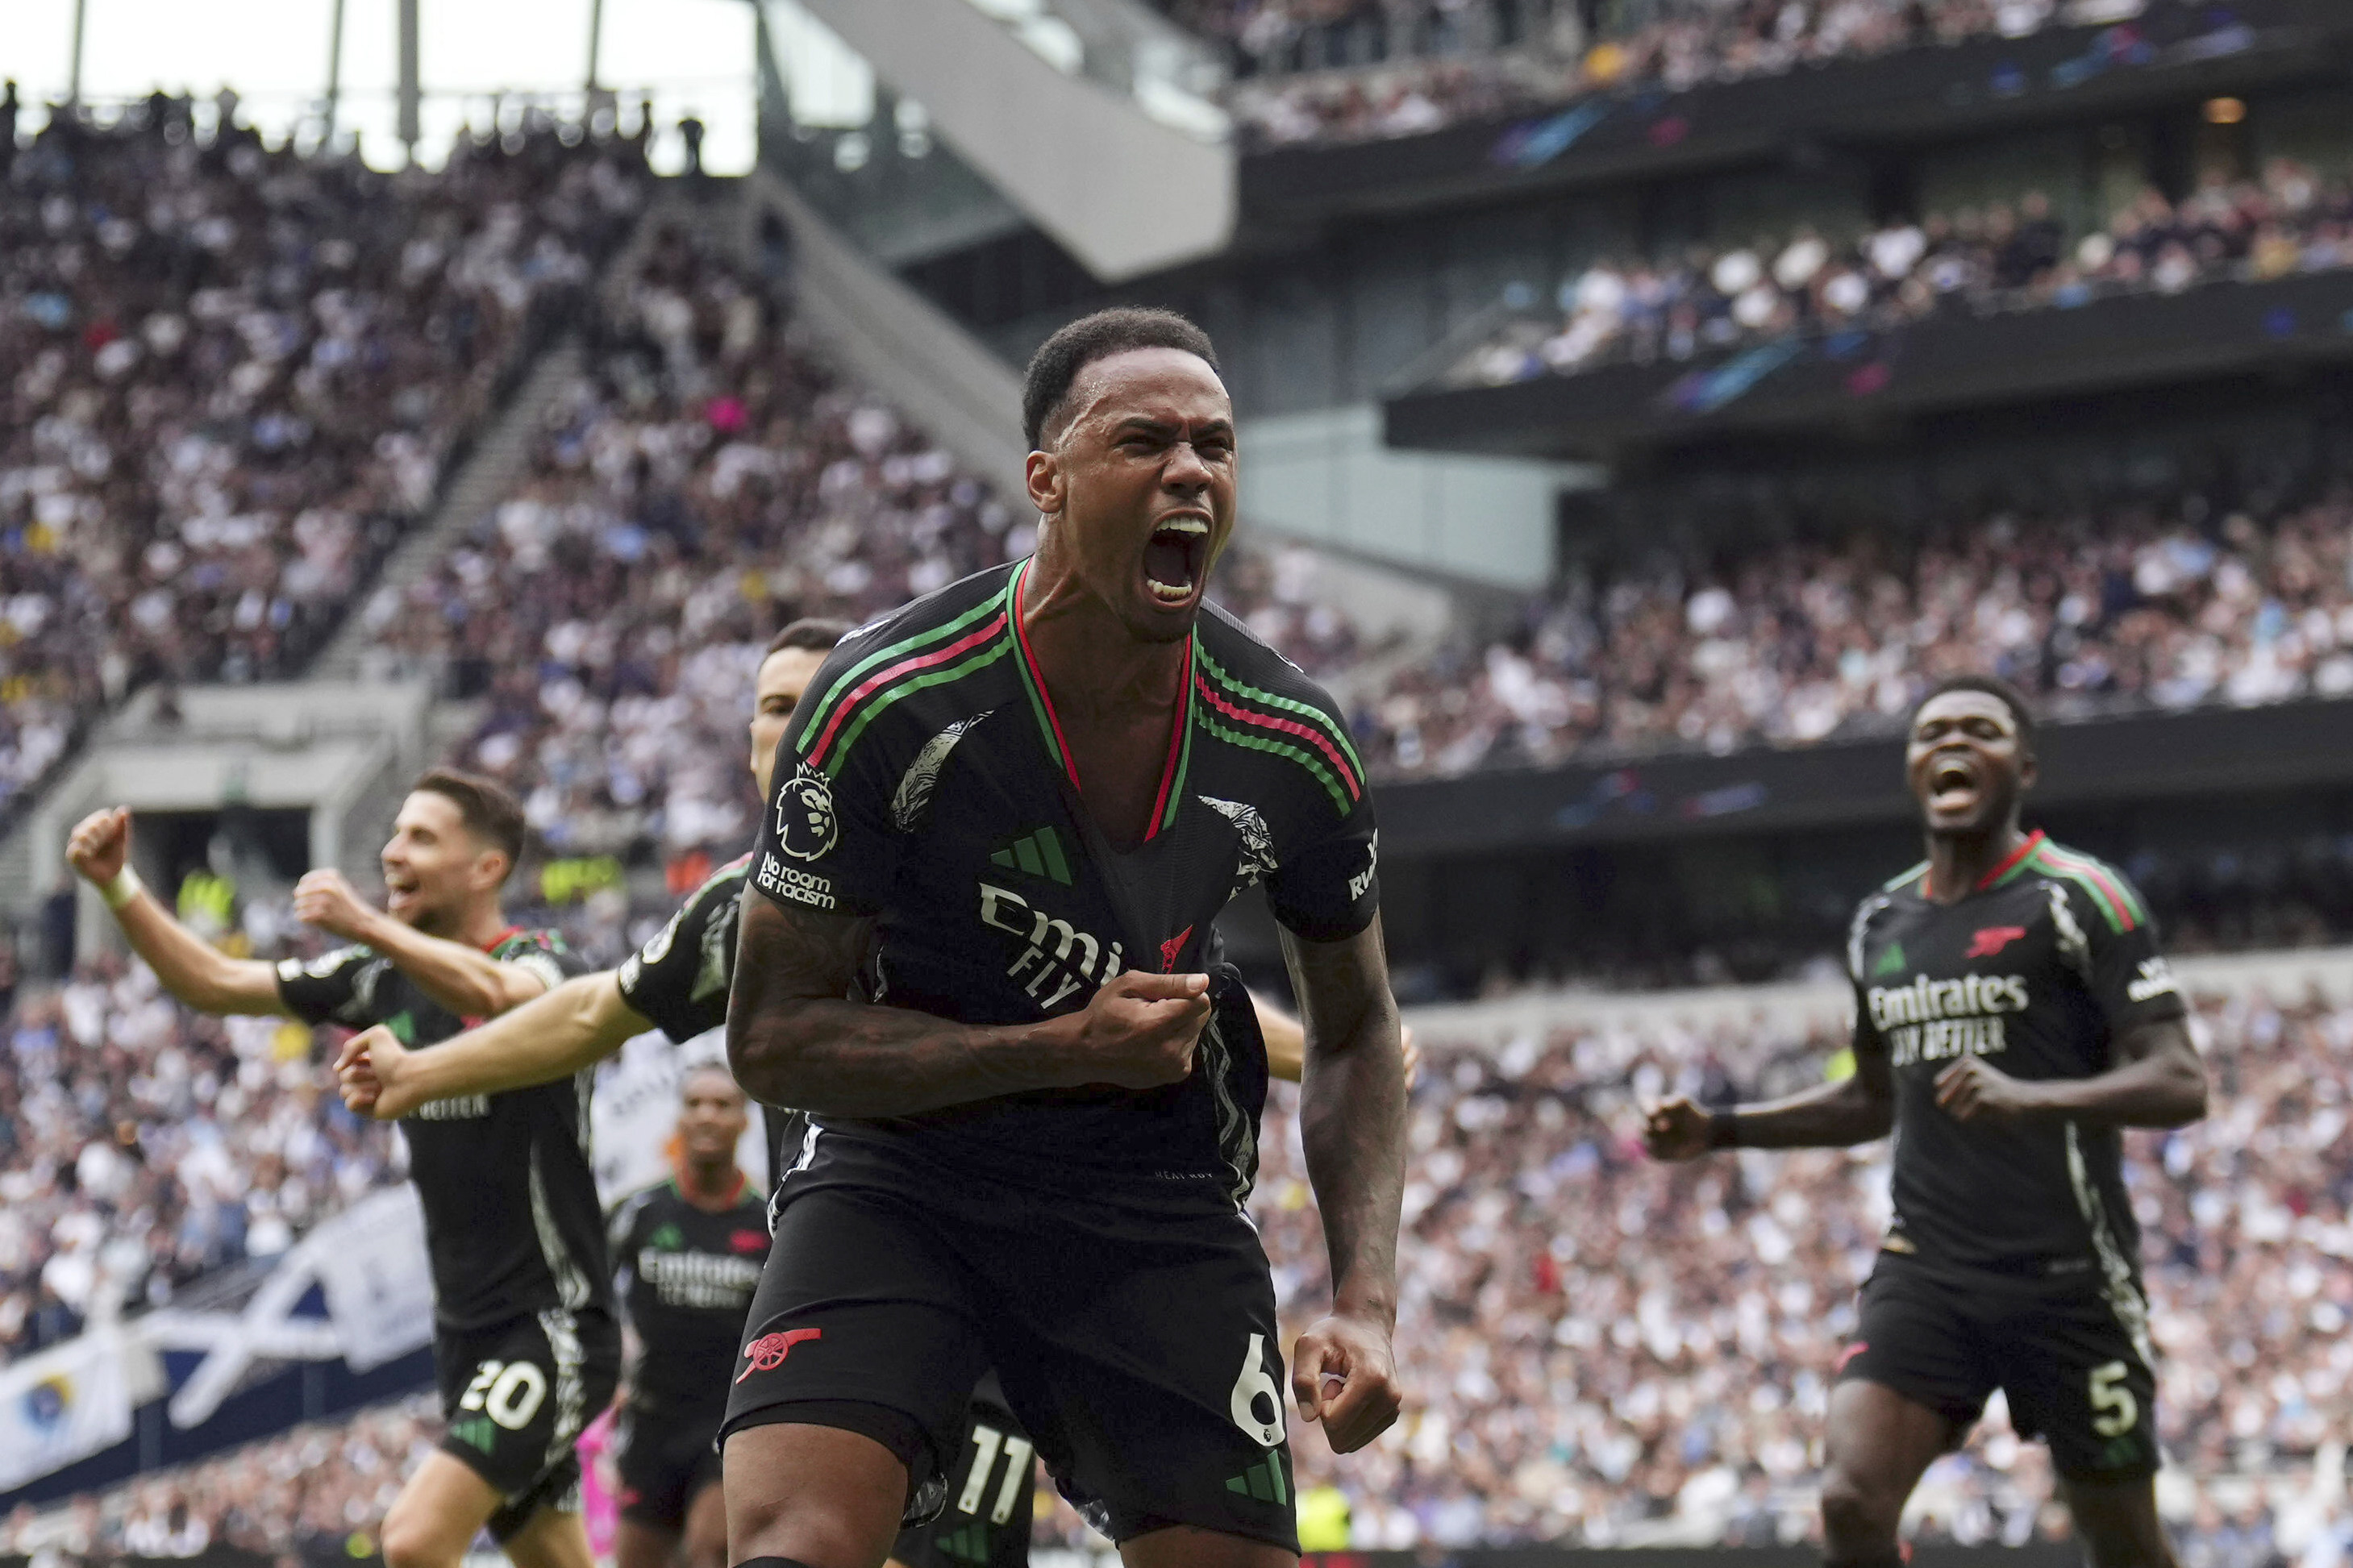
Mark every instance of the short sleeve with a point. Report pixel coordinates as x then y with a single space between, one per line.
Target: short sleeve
1328 888
826 841
2128 976
337 987
679 979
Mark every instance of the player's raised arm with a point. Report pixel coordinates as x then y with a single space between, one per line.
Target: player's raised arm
548 1039
190 968
1352 1125
1853 1109
793 1039
462 978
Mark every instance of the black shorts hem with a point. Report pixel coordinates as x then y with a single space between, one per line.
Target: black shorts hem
896 1430
2144 1471
1963 1416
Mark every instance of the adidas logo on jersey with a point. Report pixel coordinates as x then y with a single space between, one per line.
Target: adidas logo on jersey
1039 854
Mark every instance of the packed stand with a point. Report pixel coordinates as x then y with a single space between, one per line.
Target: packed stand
1310 71
317 1494
708 480
234 375
141 1146
2000 258
2135 608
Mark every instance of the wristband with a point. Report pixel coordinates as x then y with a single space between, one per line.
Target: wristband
1724 1130
123 888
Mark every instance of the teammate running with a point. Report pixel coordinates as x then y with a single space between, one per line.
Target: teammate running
689 1250
2012 1013
985 960
524 1342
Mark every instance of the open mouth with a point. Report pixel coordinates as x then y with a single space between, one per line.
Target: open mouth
1175 559
1952 783
398 889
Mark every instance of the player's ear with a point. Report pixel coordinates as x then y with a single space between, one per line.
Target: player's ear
2029 768
1044 472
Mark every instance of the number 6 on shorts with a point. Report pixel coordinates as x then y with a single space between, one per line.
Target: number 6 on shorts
1252 1385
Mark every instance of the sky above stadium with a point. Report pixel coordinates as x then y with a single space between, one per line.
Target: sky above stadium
690 54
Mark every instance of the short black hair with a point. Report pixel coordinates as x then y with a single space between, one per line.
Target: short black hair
816 633
490 811
2022 712
1060 358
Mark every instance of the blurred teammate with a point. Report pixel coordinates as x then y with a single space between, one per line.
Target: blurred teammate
2013 1013
689 1251
984 960
524 1343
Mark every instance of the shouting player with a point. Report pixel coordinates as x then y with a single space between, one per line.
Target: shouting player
524 1342
679 983
689 1250
2013 1013
984 960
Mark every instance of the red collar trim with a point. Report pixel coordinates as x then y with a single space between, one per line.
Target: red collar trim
1069 763
2010 862
686 1189
501 940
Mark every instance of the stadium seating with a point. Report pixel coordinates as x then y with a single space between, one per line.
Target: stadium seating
1331 70
2002 257
235 375
1572 1380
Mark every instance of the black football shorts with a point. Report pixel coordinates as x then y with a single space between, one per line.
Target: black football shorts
1136 1344
516 1399
664 1457
991 1494
2069 1354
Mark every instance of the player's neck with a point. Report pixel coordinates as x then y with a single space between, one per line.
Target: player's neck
713 1186
1957 862
1093 665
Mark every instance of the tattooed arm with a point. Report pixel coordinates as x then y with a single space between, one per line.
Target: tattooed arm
1352 1123
795 1039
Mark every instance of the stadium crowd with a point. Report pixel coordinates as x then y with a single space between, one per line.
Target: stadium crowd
2130 606
234 372
1344 70
1607 1351
2003 257
143 1146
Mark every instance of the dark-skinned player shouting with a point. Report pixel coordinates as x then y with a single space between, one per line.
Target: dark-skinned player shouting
979 949
2012 1014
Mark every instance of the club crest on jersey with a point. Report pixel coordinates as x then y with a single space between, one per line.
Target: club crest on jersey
1991 940
805 823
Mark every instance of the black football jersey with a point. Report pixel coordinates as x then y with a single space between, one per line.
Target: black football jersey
511 1218
2038 970
924 783
679 982
686 1275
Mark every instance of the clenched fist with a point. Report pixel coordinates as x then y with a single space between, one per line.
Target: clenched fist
371 1072
1676 1130
1344 1374
100 844
326 899
1139 1030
